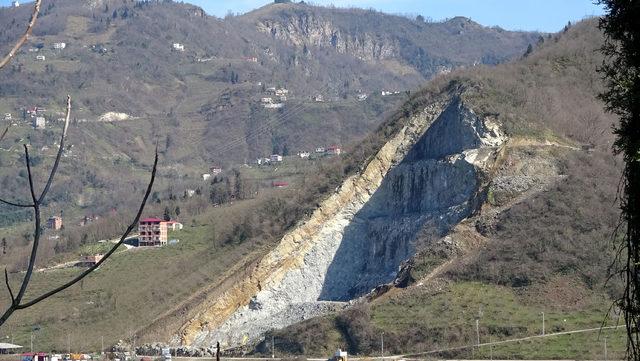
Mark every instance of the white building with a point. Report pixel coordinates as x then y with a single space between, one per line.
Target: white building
7 116
15 3
304 155
274 105
266 100
276 158
178 47
59 45
319 98
41 58
39 123
320 150
206 176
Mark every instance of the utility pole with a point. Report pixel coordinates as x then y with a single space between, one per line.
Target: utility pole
478 331
273 352
542 323
382 346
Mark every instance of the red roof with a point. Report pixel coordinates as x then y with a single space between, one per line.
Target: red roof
280 184
151 220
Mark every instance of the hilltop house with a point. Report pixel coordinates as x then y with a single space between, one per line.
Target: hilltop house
54 223
216 170
59 46
206 176
89 261
178 47
41 58
334 150
153 232
276 158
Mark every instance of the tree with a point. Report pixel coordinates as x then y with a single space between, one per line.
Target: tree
621 71
38 199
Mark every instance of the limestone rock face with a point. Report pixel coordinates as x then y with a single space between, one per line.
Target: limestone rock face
424 179
308 29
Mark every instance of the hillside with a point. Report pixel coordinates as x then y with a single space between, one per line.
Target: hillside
203 105
535 238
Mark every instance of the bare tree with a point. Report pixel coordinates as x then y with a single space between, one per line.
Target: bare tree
37 200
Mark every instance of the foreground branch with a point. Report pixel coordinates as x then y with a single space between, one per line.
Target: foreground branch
23 39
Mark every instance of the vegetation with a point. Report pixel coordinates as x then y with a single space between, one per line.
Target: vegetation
622 73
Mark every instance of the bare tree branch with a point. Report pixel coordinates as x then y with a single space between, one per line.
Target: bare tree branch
4 133
6 281
13 204
23 39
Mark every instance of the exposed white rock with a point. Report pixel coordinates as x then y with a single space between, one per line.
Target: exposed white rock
114 117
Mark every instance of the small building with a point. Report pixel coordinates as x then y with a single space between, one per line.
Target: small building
39 123
153 232
304 155
190 192
178 47
54 223
15 4
271 90
41 58
216 170
206 176
282 91
274 105
320 150
59 46
7 116
334 150
340 356
283 98
318 98
276 158
280 184
89 261
33 50
266 100
34 356
251 59
174 225
362 97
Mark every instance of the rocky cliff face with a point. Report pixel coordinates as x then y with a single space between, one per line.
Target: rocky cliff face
425 179
306 29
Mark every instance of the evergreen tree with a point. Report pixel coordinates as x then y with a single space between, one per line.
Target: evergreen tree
621 70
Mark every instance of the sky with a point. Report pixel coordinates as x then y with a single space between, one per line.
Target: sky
533 15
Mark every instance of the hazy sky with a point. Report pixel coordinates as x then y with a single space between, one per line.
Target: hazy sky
543 15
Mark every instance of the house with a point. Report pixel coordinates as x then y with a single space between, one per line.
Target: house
274 106
362 97
89 261
283 98
39 123
216 170
266 100
59 46
190 192
276 158
282 91
41 58
178 47
304 155
318 98
339 356
206 176
261 161
271 90
251 59
15 4
7 116
174 225
320 150
334 150
280 184
54 223
153 232
33 50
